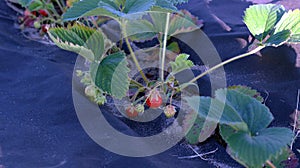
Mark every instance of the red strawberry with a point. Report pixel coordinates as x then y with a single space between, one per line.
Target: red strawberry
34 13
131 111
45 28
43 12
154 100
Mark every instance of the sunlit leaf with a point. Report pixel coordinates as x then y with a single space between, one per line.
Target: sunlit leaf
290 21
261 19
181 63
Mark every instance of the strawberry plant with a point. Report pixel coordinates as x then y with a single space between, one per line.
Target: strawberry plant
107 57
40 14
238 111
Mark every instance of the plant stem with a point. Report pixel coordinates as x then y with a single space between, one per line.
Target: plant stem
171 98
60 6
226 62
133 55
136 94
294 139
165 47
51 20
296 122
136 83
94 22
270 164
296 112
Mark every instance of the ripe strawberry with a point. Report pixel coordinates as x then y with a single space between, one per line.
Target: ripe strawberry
43 12
131 111
34 13
154 100
45 28
170 111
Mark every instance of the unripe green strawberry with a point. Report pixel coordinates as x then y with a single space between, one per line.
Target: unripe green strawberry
140 108
170 111
79 73
100 99
37 24
90 91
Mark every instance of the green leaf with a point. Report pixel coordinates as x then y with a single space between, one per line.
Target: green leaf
140 30
215 111
255 114
133 6
158 21
80 39
247 91
111 7
24 3
282 159
169 4
178 23
255 150
198 129
88 8
112 75
183 23
290 21
174 47
165 4
233 108
35 5
107 8
120 2
279 38
261 19
181 63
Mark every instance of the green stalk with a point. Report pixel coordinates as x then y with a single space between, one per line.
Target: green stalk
132 54
165 47
60 6
136 83
224 63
